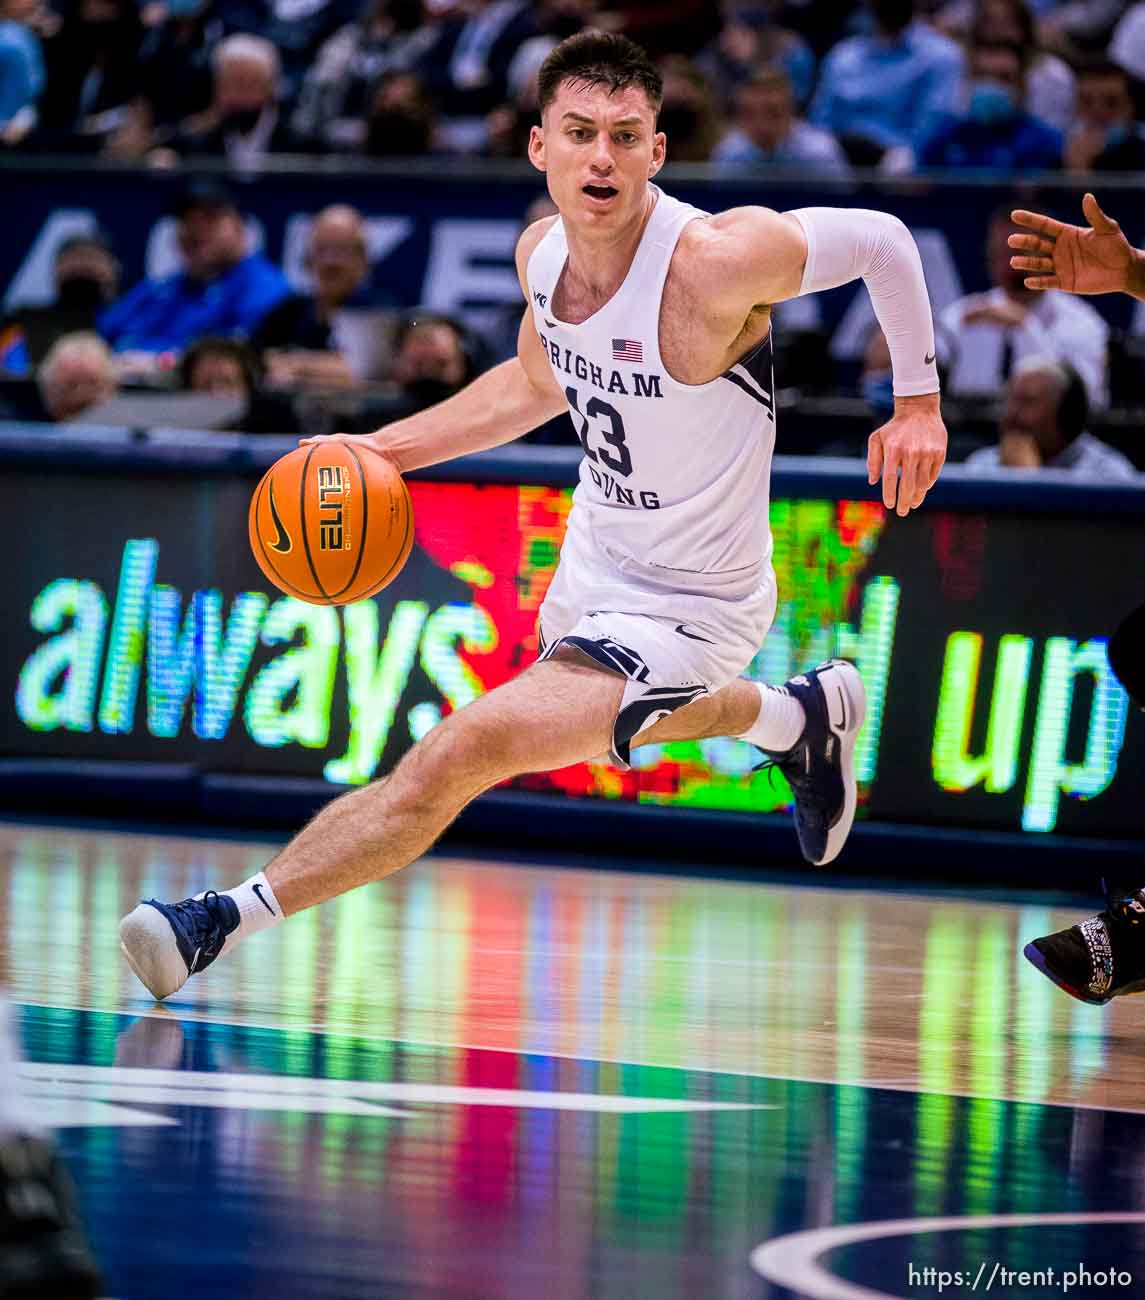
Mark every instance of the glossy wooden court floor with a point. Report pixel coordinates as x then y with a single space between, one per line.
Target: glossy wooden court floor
494 1081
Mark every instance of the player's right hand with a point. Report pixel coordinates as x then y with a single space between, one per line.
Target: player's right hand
353 440
908 452
1059 256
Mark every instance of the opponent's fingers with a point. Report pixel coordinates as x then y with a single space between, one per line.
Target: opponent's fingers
1097 219
1043 282
934 469
1044 265
1031 244
1037 221
874 458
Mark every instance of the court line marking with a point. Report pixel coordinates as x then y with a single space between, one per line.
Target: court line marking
77 1092
792 1261
155 1012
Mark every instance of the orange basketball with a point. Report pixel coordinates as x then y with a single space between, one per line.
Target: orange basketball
331 523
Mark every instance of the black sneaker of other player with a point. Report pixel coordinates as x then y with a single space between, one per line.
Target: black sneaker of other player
1098 959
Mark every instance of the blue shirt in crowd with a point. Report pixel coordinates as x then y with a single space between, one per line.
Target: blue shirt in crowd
21 70
1022 144
804 147
893 91
170 314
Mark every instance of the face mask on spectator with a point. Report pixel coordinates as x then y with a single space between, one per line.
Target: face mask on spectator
184 8
1117 134
990 103
81 291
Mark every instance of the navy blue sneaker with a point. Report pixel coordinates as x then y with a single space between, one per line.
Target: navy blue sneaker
166 943
1098 959
819 767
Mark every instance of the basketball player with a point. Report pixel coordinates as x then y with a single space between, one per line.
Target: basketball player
1104 957
649 320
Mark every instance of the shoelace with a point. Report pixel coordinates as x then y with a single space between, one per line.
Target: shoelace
208 942
797 776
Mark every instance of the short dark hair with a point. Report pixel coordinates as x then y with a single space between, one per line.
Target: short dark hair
86 239
594 58
216 346
1100 66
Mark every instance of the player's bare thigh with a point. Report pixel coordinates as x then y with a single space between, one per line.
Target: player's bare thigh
555 713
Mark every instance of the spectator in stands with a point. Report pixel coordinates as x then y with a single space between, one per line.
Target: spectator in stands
175 76
244 121
994 132
678 27
222 289
77 374
1105 137
465 70
401 121
229 368
687 115
885 94
299 335
1043 425
769 132
221 367
92 65
1127 50
389 37
434 358
1050 84
87 279
1079 25
21 69
297 31
750 40
981 338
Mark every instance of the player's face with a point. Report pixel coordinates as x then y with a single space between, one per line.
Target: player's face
599 151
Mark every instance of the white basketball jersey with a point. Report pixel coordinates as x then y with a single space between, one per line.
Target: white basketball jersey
673 475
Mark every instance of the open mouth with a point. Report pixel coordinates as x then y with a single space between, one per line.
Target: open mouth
601 191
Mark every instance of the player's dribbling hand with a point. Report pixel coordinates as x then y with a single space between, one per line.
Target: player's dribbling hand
353 439
908 452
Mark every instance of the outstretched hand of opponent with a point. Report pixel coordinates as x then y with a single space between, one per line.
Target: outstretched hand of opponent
908 452
1059 256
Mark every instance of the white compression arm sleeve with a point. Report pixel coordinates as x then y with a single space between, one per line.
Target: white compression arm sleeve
846 243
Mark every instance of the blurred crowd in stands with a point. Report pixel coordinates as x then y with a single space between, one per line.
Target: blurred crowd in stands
818 88
901 85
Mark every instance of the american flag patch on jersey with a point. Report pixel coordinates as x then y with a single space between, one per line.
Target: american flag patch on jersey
627 350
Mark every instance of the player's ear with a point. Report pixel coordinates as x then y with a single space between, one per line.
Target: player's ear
537 147
659 153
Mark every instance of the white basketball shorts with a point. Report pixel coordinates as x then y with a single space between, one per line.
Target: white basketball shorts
673 634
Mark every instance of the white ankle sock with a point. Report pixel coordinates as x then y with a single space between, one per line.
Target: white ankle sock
781 720
258 907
